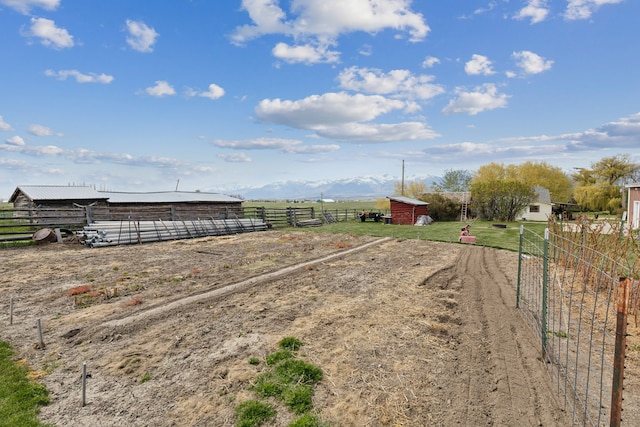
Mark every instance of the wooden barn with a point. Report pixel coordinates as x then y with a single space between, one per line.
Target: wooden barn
169 205
34 200
55 196
405 210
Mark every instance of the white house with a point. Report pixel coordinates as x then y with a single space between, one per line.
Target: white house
541 209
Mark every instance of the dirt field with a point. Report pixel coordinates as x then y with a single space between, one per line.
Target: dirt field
407 333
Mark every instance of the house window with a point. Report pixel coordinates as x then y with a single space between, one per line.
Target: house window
534 208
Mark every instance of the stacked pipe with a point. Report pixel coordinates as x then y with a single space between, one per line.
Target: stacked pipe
112 233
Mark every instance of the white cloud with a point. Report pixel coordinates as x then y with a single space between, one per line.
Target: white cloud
481 99
235 157
293 146
39 130
307 53
141 37
478 64
80 77
50 35
623 133
313 149
25 6
430 61
398 83
583 9
379 133
214 92
162 88
15 141
479 11
319 23
340 116
366 50
257 143
329 109
536 10
531 63
4 125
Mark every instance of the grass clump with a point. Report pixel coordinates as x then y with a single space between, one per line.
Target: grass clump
308 420
253 413
290 343
20 399
277 357
294 371
268 385
298 397
289 380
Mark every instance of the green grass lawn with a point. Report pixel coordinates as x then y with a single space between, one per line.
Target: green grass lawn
486 235
20 398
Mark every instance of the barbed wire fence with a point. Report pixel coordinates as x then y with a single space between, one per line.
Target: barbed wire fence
576 286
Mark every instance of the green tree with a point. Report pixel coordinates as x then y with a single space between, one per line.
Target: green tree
490 173
500 199
600 188
552 178
454 181
442 208
413 189
533 174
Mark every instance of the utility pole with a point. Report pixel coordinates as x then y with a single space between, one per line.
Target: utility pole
402 188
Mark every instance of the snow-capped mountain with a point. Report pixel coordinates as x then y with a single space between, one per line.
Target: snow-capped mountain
347 188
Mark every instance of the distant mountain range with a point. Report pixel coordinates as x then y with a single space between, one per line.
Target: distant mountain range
339 189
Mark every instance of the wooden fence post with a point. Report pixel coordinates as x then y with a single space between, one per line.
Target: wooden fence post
620 348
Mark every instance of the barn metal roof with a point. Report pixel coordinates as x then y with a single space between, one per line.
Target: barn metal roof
70 192
57 192
409 201
167 197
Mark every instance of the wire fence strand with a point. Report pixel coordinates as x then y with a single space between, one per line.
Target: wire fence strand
567 293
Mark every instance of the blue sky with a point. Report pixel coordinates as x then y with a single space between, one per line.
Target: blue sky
216 95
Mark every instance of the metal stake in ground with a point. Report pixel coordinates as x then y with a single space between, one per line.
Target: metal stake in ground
11 311
40 341
84 384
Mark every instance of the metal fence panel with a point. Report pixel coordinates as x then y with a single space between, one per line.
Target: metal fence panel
567 293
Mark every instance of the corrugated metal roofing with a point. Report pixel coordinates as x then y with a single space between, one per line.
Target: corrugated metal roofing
58 192
408 200
69 192
167 197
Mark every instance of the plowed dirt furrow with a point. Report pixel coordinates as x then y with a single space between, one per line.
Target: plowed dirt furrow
492 336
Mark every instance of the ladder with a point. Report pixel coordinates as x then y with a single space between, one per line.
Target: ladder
465 203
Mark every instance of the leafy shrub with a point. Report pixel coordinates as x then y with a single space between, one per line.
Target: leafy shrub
442 208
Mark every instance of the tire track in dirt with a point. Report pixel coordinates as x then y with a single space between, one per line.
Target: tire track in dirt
503 381
166 307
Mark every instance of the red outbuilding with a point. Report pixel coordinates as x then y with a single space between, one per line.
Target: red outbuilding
405 210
